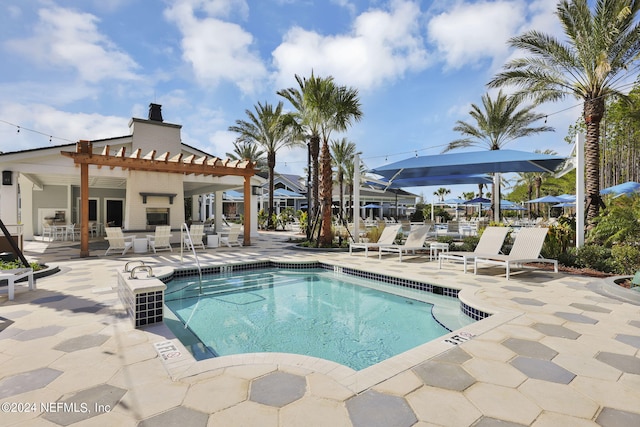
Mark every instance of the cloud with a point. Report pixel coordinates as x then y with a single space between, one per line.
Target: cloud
64 38
468 33
217 50
61 127
381 46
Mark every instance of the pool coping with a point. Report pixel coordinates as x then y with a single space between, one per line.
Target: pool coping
180 363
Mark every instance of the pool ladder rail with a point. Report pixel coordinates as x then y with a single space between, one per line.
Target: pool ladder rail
184 231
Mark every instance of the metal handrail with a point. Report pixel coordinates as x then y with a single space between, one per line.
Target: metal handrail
184 229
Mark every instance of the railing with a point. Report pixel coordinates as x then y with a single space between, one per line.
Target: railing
184 232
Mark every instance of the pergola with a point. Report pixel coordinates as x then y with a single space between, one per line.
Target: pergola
178 164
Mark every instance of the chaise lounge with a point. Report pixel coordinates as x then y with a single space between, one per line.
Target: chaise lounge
526 249
387 237
490 243
415 241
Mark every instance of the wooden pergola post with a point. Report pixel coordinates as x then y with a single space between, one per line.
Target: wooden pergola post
84 147
247 211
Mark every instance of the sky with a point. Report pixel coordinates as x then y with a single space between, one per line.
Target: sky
76 70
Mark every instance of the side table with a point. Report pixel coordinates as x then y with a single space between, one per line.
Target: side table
435 248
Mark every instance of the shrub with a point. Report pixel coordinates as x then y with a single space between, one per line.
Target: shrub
373 234
469 243
625 259
559 238
448 240
595 257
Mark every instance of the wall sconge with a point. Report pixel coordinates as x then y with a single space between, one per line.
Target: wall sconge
6 177
256 190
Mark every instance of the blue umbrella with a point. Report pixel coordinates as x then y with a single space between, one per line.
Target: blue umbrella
625 188
548 199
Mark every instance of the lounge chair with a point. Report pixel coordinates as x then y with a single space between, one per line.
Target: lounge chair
490 243
161 239
15 274
117 241
415 241
194 238
526 249
230 237
387 237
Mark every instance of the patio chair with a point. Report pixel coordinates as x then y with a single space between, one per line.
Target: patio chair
117 240
71 232
196 232
16 274
386 238
47 231
415 241
161 239
490 243
526 249
231 236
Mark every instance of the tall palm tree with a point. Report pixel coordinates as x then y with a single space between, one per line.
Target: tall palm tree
342 151
498 122
441 192
339 114
321 108
306 99
267 128
247 150
602 48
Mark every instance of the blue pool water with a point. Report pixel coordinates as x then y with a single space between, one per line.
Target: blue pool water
311 312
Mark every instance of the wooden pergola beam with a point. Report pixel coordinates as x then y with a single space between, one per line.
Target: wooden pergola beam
189 165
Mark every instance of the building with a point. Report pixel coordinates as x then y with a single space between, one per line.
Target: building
136 181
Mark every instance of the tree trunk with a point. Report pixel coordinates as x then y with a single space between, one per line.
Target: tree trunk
315 163
593 113
341 185
271 163
326 237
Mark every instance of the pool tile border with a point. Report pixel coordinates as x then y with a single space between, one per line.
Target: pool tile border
466 309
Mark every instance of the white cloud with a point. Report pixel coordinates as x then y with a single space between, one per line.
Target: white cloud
381 46
469 33
61 126
65 38
217 50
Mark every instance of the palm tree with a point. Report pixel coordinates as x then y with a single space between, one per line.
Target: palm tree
602 49
267 128
343 109
306 100
342 151
250 151
441 192
321 108
499 122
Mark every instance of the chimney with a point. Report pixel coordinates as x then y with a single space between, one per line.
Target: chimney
155 112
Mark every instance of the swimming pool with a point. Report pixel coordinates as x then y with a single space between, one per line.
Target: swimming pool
316 312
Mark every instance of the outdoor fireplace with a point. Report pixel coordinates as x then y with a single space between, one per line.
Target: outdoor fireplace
157 216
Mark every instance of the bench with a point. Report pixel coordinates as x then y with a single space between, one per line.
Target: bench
14 275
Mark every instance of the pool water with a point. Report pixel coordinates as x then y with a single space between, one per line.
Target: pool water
312 312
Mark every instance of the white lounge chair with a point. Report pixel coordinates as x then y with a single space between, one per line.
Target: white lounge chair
117 241
526 249
196 232
15 274
231 236
490 243
387 237
415 241
161 239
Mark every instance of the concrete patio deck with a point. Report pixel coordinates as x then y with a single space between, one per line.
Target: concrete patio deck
554 352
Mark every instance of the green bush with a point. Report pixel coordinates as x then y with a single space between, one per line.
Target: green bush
594 257
625 259
469 243
448 240
559 239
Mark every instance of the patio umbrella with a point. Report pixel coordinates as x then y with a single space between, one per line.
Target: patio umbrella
624 188
469 163
548 199
372 206
479 201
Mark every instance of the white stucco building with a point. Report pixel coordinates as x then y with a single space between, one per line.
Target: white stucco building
44 185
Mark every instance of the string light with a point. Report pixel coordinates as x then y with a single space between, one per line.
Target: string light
20 128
